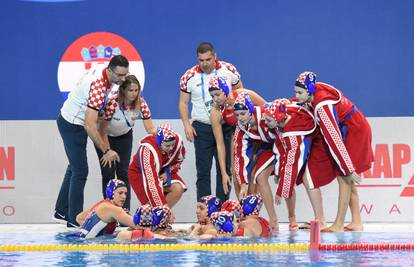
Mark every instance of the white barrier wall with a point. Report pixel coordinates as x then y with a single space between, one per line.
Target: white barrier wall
33 162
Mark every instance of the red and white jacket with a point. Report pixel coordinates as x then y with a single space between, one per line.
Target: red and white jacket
291 147
332 108
149 161
244 137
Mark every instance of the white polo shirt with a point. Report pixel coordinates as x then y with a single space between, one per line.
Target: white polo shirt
195 82
91 91
122 119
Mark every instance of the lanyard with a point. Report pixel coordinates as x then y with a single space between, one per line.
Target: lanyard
121 107
209 103
105 100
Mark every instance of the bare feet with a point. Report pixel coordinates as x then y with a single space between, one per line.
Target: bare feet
352 227
274 224
332 228
293 227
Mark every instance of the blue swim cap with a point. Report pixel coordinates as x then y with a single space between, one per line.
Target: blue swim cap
143 216
161 216
244 102
213 204
112 186
218 83
251 205
223 221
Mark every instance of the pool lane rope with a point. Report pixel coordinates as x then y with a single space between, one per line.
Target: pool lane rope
199 247
153 247
313 245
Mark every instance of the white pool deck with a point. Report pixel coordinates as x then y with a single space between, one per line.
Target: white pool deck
47 228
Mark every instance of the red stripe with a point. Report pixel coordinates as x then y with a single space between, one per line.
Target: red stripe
6 187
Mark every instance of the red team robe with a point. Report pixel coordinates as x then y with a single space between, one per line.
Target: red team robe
299 148
345 129
252 149
147 165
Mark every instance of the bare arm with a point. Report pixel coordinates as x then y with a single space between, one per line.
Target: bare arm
121 216
183 108
81 217
237 85
103 131
149 126
215 119
91 120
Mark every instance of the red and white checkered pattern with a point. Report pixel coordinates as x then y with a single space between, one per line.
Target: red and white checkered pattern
145 111
97 93
213 83
112 106
187 76
167 131
215 222
231 68
166 217
232 205
258 207
146 216
241 99
301 78
206 199
277 109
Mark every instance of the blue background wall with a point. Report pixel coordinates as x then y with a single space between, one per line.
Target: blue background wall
365 48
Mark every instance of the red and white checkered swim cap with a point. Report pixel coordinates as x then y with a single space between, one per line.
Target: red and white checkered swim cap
162 217
165 133
304 78
277 109
219 83
213 204
243 101
233 206
144 216
251 205
223 222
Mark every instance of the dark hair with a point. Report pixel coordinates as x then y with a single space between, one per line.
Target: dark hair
205 47
130 79
118 60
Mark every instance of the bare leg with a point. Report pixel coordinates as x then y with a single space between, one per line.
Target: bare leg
175 193
291 206
315 197
343 203
252 189
235 183
236 188
267 195
356 223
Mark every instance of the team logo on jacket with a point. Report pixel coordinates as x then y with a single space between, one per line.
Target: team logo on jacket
96 48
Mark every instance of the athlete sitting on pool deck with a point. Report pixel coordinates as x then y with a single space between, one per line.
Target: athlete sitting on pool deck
103 216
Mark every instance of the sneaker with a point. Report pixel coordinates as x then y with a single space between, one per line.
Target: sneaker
72 225
59 218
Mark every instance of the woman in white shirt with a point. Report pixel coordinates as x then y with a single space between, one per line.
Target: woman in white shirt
124 107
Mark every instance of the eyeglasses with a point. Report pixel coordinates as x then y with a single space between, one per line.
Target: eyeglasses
119 74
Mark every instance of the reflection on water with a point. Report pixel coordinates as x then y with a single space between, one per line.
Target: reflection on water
212 258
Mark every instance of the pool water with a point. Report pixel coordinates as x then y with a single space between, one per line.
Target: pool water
211 258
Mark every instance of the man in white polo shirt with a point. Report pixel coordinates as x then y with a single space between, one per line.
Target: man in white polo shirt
194 87
77 120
